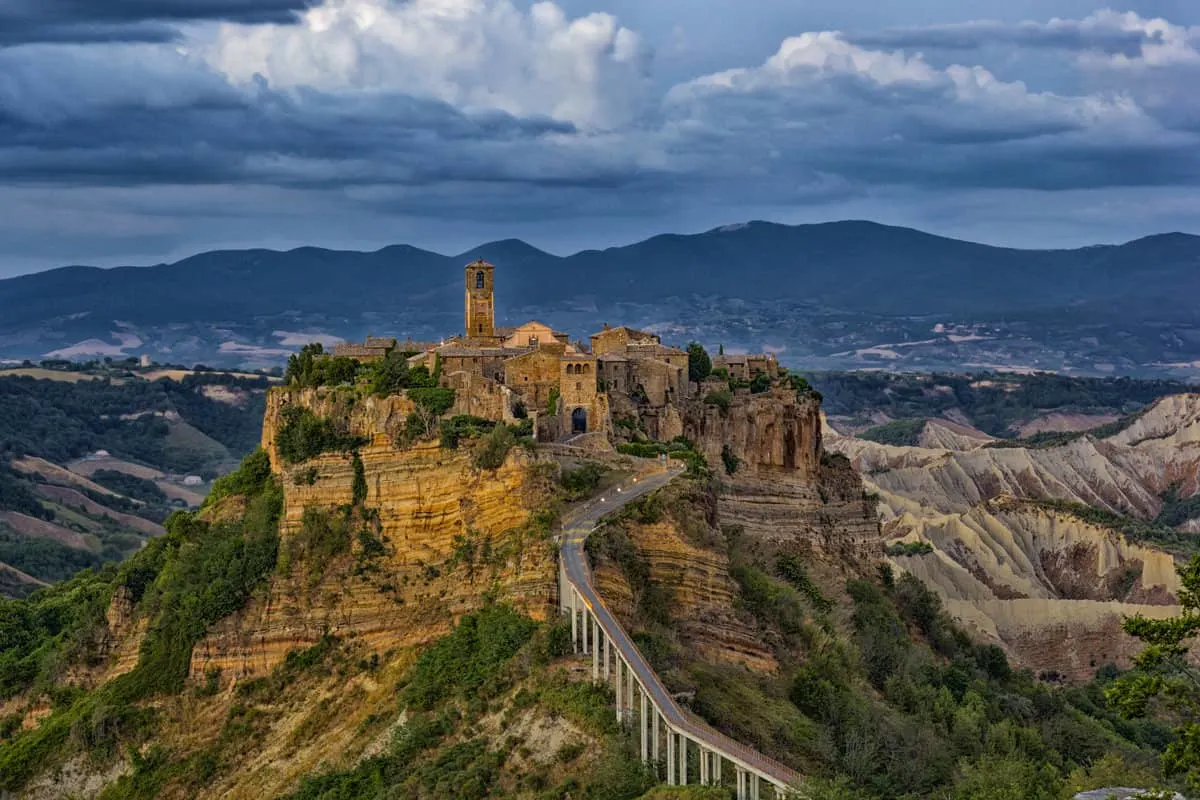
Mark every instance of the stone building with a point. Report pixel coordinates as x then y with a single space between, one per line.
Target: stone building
373 349
615 340
745 367
480 313
377 347
578 390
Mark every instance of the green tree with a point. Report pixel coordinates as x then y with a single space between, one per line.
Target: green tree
300 366
699 364
1162 674
1006 778
389 374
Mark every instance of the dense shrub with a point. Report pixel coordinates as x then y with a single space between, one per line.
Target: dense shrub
469 661
699 363
304 435
731 461
720 398
642 449
909 549
437 400
901 432
582 481
463 426
250 478
492 448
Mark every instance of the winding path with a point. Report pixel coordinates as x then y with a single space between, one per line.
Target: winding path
585 606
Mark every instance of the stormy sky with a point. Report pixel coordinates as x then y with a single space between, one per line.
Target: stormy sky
139 131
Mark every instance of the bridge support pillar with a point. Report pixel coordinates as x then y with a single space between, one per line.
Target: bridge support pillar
672 775
574 620
754 786
607 659
704 777
717 768
655 736
620 694
741 784
631 685
596 644
683 747
644 728
585 624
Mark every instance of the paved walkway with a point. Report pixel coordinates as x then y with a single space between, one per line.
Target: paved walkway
575 532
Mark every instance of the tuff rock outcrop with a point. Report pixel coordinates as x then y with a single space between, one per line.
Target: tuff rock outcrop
434 536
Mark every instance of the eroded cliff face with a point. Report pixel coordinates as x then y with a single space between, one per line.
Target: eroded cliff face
768 432
683 551
432 536
1050 588
785 488
380 420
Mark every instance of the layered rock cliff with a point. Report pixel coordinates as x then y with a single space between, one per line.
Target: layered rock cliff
783 486
429 539
672 545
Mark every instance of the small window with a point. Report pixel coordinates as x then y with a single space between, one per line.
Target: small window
479 279
578 386
533 341
526 379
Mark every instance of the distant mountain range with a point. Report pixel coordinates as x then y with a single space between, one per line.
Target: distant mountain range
856 284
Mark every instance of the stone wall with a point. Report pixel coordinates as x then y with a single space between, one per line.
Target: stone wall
480 397
534 375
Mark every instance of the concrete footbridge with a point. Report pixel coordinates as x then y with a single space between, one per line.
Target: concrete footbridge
664 728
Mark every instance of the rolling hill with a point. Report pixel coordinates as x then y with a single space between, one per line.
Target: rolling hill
869 280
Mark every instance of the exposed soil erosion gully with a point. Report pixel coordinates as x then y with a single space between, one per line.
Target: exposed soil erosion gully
575 581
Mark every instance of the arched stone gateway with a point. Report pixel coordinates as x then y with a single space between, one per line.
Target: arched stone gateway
579 420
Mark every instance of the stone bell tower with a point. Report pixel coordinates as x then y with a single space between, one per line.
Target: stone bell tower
481 302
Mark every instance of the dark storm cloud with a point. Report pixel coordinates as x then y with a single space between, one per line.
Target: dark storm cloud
975 35
824 120
211 134
90 21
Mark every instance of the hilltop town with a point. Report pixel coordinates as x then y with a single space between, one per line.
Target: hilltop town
573 391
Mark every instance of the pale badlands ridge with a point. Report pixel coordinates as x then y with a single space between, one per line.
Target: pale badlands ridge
1047 586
